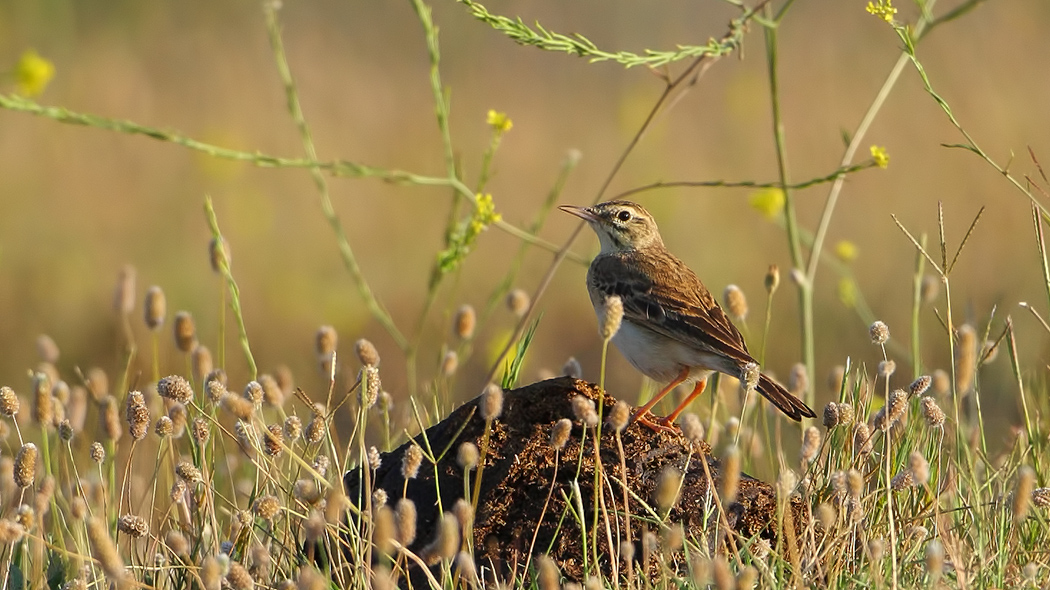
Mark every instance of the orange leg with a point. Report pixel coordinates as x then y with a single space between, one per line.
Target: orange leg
640 415
700 386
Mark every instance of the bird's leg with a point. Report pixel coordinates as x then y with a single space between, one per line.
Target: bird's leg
700 386
640 414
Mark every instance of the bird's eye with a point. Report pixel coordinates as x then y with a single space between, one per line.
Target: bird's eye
624 215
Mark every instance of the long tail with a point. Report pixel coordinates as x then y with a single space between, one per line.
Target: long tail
793 407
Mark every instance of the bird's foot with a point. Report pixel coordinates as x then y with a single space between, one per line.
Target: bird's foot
661 425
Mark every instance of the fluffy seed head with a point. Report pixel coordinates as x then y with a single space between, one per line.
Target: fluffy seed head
449 363
730 475
831 415
772 280
798 379
929 289
920 467
65 430
266 507
467 456
155 308
237 405
43 401
965 358
862 439
109 418
137 415
293 428
103 549
879 332
188 473
374 458
920 385
903 480
370 385
491 403
855 483
185 331
239 578
98 454
887 368
583 409
447 542
25 465
124 294
464 323
610 315
326 340
411 461
315 429
175 387
942 382
1023 492
199 430
1041 497
810 444
619 416
692 428
133 526
253 392
735 302
405 519
548 575
934 559
9 403
572 368
366 352
845 414
897 406
518 302
560 433
668 487
11 532
272 392
272 440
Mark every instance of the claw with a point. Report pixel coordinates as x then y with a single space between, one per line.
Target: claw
661 425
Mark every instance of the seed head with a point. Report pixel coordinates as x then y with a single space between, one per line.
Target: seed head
405 519
200 430
8 401
920 385
798 379
668 487
25 465
730 475
610 315
155 308
239 578
1022 492
920 467
1041 497
879 333
572 368
43 401
10 532
934 559
266 507
137 415
464 323
237 405
253 392
272 440
965 358
845 414
185 332
326 341
175 387
109 418
124 294
366 353
772 280
903 480
293 428
133 526
467 456
188 473
583 409
491 403
810 444
735 302
929 289
411 461
831 415
887 368
547 573
560 434
897 406
619 416
374 458
65 430
98 454
518 302
315 430
855 483
370 385
103 549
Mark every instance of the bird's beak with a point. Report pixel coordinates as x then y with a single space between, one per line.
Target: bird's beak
583 213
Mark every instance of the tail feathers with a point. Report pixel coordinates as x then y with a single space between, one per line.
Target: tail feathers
793 407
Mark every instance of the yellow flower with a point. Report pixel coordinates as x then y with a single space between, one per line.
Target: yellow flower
883 9
846 251
847 292
499 122
769 202
32 73
882 159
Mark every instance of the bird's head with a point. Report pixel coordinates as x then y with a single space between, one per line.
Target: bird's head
621 226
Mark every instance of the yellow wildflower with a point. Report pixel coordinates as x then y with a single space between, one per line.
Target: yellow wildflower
769 202
499 122
32 73
848 292
879 155
846 251
883 9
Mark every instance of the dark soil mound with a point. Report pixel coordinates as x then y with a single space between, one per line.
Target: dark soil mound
520 465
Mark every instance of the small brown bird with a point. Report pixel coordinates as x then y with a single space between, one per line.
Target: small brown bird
673 330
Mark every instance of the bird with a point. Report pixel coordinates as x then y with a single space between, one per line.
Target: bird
672 330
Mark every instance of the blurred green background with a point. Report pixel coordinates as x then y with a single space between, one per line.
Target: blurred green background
76 204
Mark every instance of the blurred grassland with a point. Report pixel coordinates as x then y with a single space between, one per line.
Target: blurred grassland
76 204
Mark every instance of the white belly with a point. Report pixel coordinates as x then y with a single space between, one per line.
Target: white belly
662 359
